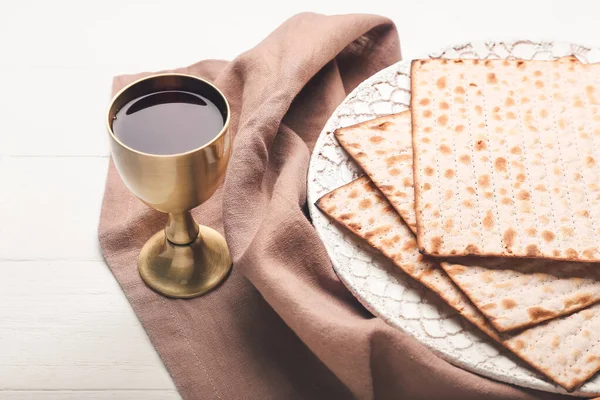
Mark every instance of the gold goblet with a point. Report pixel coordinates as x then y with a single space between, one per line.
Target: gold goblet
183 260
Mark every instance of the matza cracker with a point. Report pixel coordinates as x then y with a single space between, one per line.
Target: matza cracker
518 293
507 154
383 149
511 293
567 349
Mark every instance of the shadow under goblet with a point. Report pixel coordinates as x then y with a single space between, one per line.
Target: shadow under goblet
183 260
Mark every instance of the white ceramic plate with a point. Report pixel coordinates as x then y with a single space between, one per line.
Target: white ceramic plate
375 281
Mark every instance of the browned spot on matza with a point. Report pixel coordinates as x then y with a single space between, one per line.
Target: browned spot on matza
500 163
507 303
548 236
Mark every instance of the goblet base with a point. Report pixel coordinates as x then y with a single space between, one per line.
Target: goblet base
184 271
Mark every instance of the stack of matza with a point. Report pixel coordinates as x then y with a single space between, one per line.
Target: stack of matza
496 163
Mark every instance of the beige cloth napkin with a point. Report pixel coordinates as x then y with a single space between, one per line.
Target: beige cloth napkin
282 326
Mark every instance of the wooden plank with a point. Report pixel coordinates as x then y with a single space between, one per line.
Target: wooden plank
48 119
67 325
50 207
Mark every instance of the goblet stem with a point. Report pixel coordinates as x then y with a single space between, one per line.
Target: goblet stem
181 228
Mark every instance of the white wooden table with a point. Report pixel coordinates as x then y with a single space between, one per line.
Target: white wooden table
66 329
